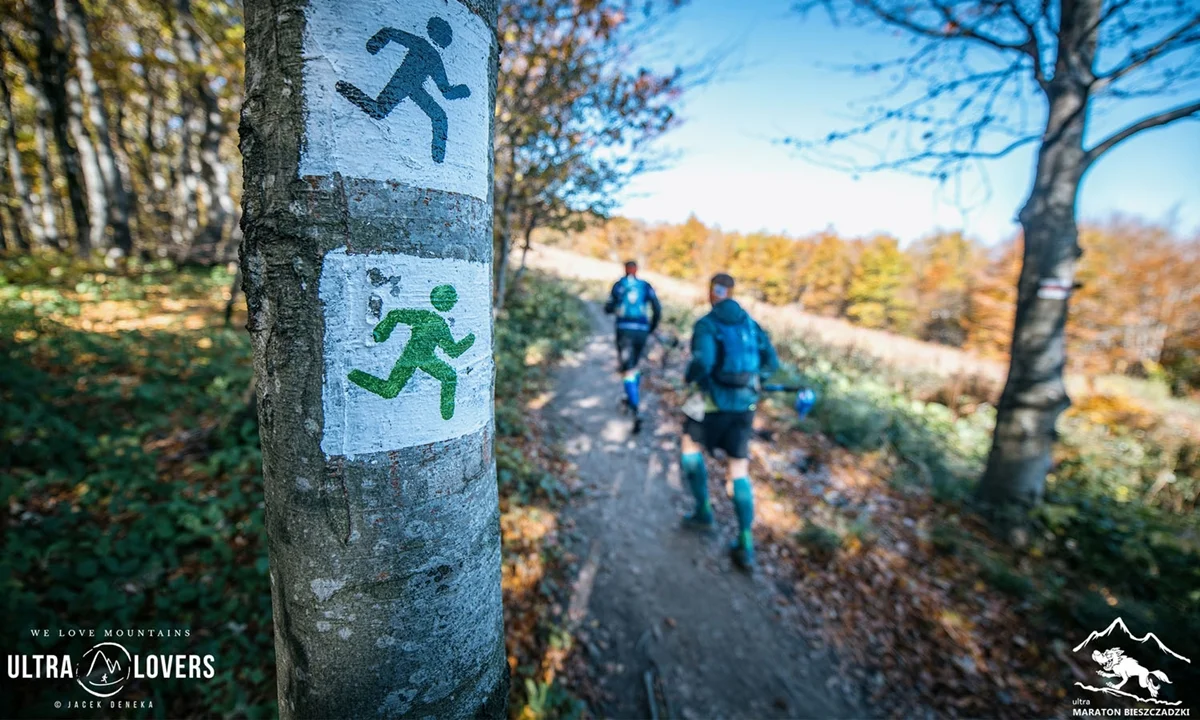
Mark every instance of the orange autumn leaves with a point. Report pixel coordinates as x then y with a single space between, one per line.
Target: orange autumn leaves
1137 309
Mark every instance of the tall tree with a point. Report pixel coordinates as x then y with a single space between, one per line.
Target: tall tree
575 114
98 200
116 206
26 220
943 264
53 77
826 275
368 286
45 199
876 296
978 67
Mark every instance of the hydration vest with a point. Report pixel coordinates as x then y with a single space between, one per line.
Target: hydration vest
631 305
738 362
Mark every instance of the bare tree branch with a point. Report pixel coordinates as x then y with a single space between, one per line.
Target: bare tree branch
1153 121
955 30
1178 39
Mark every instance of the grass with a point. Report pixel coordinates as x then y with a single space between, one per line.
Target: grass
134 488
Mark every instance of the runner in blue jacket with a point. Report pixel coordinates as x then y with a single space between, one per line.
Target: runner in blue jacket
731 357
638 311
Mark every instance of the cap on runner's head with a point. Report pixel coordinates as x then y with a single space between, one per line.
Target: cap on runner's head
630 267
721 285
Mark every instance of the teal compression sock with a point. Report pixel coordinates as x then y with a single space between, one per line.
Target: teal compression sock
631 388
743 507
696 477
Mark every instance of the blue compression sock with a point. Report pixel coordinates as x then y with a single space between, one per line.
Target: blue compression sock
631 388
743 507
696 477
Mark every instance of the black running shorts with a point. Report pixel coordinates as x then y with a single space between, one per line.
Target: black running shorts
729 431
630 345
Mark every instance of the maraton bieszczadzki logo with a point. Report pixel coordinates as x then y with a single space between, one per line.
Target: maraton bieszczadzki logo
1132 667
108 667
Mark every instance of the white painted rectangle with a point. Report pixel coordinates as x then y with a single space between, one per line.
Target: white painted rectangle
341 137
358 421
1053 289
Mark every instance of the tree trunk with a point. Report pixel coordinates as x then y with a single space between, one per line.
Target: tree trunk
117 196
208 173
54 81
1035 393
26 221
215 177
501 273
382 511
89 159
45 200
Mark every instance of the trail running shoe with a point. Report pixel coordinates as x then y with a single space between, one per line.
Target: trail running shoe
698 522
743 555
637 422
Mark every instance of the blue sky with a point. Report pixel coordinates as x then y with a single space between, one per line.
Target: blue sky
729 172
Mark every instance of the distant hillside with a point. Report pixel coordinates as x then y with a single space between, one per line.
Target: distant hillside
904 354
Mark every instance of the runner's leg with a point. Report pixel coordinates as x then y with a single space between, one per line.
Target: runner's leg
388 389
695 475
737 444
449 379
437 116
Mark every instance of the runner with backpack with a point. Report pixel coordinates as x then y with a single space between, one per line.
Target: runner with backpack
731 357
629 300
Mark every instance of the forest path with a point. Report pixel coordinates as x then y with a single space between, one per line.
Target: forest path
659 607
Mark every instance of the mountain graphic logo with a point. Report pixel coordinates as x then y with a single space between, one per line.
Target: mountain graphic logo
104 670
1109 650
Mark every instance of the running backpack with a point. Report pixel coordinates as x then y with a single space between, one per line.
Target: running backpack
631 304
738 363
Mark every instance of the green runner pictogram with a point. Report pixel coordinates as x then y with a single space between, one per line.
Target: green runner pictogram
430 331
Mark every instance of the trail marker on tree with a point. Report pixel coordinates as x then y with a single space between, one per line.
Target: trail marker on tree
367 265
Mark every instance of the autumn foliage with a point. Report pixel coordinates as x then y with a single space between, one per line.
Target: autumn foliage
1136 310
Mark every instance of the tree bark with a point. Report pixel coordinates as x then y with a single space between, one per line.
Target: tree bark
501 273
54 81
46 199
109 172
385 550
1035 393
203 118
89 161
16 174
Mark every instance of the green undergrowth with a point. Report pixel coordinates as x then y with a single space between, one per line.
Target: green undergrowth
1117 533
542 319
134 495
132 474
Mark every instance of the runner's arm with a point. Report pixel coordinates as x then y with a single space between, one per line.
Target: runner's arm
384 329
610 306
454 349
381 39
704 357
655 307
768 358
450 92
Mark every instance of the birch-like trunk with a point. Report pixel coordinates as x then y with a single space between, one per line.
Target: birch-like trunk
382 512
45 200
53 74
116 205
26 221
89 161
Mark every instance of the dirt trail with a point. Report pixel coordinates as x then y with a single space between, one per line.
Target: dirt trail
659 607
